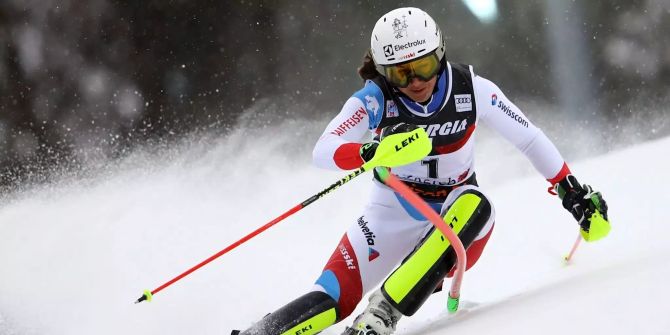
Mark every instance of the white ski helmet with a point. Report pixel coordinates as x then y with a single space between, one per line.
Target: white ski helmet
404 34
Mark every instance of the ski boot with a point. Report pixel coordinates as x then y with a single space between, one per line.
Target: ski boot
379 318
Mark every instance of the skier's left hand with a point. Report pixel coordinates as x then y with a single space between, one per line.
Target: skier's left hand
587 207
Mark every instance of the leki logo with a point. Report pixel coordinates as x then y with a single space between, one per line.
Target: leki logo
304 330
399 27
407 141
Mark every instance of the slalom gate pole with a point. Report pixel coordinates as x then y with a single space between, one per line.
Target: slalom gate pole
394 150
574 248
421 205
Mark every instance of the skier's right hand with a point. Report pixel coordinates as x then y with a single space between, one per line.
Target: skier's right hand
368 149
397 128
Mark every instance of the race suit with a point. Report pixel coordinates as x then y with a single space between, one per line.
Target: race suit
389 229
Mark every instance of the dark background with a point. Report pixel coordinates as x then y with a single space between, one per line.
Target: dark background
83 80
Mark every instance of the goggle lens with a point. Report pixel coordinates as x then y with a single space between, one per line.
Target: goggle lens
424 68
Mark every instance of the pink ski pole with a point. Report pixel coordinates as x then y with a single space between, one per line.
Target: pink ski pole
574 248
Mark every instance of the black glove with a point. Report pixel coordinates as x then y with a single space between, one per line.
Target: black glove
368 150
397 128
583 203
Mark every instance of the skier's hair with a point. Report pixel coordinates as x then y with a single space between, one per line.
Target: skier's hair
368 69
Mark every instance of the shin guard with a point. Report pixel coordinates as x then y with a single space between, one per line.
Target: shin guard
408 287
307 315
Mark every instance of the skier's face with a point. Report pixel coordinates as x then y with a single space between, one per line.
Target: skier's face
419 90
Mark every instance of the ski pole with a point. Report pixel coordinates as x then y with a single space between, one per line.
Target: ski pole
418 203
394 150
574 248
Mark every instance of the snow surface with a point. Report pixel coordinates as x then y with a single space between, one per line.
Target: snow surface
74 255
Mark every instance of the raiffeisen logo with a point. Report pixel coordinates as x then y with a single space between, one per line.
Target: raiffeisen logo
400 47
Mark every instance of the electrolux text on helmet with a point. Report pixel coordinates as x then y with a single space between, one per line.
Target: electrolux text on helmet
399 47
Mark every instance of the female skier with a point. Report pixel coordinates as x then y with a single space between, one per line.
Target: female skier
409 84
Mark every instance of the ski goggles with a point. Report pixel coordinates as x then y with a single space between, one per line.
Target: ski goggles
424 68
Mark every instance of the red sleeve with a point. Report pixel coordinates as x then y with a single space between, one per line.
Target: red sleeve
565 170
347 156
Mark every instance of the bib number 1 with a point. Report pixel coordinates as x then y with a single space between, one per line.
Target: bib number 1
432 167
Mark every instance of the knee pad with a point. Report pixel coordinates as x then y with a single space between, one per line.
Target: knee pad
307 315
408 287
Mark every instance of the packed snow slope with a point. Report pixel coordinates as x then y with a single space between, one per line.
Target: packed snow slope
75 254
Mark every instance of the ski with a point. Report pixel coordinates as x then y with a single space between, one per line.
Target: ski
443 319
